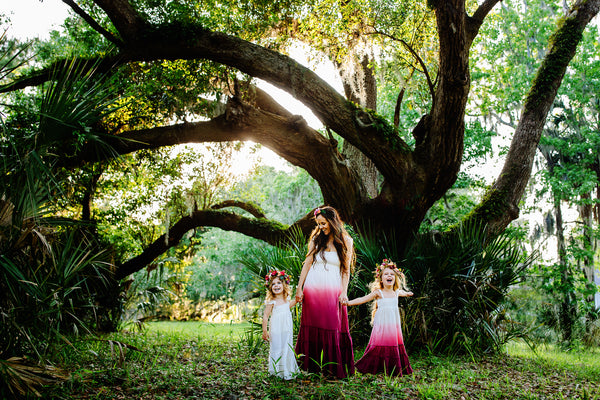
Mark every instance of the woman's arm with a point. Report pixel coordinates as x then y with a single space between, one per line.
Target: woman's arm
348 265
265 321
363 299
308 261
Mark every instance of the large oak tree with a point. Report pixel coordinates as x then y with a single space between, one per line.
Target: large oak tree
414 174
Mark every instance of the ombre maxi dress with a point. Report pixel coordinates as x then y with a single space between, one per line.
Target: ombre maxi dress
385 352
324 342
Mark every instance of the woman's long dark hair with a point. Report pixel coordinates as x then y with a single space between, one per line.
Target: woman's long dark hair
337 230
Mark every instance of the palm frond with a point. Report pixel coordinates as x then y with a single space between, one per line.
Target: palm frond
24 377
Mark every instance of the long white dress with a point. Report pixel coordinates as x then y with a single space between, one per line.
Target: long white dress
282 360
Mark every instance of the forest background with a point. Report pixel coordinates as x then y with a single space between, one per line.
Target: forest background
536 280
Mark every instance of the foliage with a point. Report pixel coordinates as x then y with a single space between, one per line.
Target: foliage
460 284
568 172
54 271
139 199
261 259
208 361
146 293
284 195
226 263
209 268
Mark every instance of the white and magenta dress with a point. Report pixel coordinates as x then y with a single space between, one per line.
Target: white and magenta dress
324 337
385 351
282 360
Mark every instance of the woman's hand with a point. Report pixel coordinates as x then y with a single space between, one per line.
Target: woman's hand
265 335
299 295
343 299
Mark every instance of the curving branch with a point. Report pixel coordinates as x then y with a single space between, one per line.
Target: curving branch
260 228
474 22
419 60
36 78
249 207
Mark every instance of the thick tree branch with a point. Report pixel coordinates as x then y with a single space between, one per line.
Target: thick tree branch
500 205
145 43
440 135
124 17
36 78
289 137
474 22
251 208
269 231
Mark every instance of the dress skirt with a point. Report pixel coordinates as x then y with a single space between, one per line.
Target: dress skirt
282 360
324 343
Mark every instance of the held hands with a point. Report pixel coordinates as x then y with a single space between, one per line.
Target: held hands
343 299
299 295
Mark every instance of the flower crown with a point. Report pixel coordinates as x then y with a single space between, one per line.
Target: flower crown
277 274
321 211
386 263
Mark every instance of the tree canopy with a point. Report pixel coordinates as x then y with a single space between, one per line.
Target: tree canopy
187 70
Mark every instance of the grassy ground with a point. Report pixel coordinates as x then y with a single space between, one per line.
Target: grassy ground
191 360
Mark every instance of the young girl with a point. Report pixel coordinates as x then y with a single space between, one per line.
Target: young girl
385 351
282 360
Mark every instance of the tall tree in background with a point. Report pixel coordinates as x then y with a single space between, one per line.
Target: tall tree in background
217 45
568 148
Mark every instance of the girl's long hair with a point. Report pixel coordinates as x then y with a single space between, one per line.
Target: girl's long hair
337 230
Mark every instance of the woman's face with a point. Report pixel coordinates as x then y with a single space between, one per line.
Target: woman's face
388 277
276 286
322 224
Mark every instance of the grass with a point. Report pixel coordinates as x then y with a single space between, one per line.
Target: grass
194 360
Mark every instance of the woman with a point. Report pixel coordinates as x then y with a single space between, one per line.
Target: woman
324 343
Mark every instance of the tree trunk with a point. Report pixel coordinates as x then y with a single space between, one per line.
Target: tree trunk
568 311
360 87
500 204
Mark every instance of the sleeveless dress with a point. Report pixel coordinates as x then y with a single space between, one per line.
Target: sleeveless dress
385 351
282 360
324 343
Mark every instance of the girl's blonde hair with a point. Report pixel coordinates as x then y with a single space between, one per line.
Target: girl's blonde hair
400 278
283 278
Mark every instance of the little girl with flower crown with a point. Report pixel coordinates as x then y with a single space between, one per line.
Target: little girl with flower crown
282 360
385 351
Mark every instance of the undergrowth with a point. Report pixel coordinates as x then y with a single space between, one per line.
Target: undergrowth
193 360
